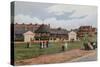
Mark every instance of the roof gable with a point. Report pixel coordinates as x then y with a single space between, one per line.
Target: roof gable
28 33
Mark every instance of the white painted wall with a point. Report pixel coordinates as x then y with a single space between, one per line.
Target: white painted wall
28 36
72 35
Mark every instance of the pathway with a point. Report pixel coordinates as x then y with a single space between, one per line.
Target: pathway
55 58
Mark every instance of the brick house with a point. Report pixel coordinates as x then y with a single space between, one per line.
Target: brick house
86 29
20 29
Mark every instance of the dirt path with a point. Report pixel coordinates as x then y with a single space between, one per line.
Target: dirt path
55 58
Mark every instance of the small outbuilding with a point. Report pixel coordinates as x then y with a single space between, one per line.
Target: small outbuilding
72 36
28 36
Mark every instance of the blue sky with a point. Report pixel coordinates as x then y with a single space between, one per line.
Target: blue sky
57 15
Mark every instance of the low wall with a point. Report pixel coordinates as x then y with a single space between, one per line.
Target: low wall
38 41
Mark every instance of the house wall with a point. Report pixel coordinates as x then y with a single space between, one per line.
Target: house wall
28 38
72 36
86 29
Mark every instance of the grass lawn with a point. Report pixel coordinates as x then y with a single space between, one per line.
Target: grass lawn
74 45
21 52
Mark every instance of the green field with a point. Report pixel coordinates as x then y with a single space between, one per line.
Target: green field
21 52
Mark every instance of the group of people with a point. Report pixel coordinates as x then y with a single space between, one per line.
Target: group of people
43 44
90 45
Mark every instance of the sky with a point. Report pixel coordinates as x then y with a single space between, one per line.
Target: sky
66 16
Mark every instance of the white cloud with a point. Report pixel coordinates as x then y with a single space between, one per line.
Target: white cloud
60 15
79 10
26 19
58 9
66 24
54 23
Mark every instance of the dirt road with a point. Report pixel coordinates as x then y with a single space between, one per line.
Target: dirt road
55 58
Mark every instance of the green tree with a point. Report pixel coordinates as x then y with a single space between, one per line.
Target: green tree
85 38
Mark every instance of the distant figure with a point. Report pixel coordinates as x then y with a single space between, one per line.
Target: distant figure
66 45
90 45
43 44
47 44
27 45
93 44
40 44
63 48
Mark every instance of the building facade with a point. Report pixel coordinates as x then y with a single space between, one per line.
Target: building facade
58 34
86 29
28 36
72 36
20 29
54 34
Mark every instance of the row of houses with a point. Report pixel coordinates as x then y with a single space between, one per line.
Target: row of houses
31 31
86 29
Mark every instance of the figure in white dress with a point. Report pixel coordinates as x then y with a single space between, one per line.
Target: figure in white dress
65 45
